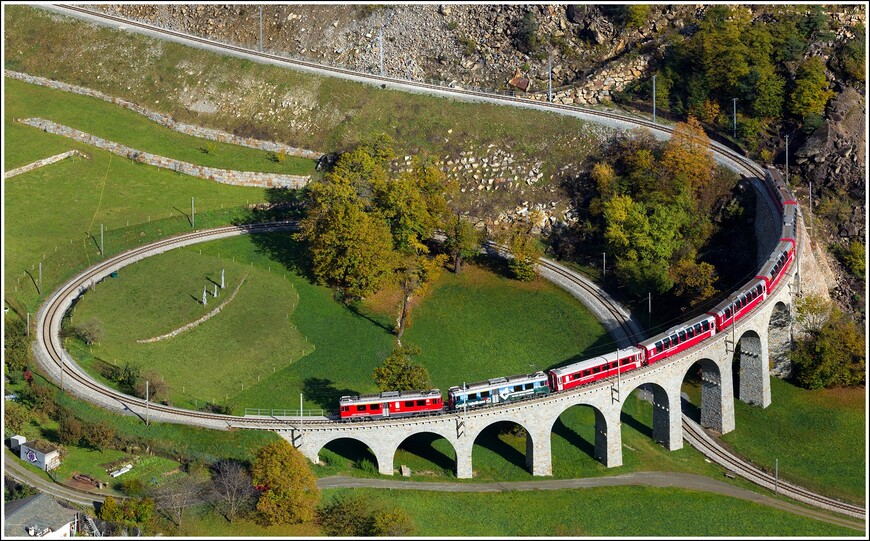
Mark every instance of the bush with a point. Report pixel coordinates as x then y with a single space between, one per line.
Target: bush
91 331
133 486
526 36
16 344
636 15
391 523
345 516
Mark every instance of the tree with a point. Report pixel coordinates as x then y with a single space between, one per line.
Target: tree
687 156
71 430
16 416
391 523
694 281
527 36
525 251
152 382
811 92
98 436
291 492
415 275
232 485
462 241
350 249
173 499
812 312
110 511
345 516
90 331
16 344
399 373
834 356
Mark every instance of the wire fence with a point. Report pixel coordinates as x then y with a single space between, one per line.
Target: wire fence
257 412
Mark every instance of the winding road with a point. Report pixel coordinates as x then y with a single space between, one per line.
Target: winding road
57 363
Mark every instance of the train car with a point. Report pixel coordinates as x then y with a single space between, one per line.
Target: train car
497 391
772 183
589 370
679 338
789 224
736 306
777 265
390 404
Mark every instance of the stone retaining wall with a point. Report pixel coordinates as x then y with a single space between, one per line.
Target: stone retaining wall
168 121
224 176
193 324
43 162
600 85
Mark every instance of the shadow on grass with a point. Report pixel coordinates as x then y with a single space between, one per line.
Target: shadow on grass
421 446
573 438
636 424
351 450
489 439
354 308
323 392
602 345
693 411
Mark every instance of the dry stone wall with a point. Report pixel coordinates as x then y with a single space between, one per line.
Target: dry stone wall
168 121
43 162
224 176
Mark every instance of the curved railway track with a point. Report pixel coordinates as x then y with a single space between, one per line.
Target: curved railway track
699 439
57 362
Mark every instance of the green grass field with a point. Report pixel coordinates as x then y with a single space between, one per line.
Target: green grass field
819 438
120 125
259 353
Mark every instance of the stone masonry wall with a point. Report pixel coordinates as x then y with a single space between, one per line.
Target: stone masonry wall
224 176
168 121
599 86
43 162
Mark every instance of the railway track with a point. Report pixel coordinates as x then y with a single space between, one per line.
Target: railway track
56 361
700 440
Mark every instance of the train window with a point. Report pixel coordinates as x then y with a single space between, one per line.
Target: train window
361 408
666 342
421 402
674 340
529 386
690 332
706 325
484 394
659 347
586 372
375 407
409 403
344 408
682 336
596 369
727 313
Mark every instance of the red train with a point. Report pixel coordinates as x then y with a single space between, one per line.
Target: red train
676 340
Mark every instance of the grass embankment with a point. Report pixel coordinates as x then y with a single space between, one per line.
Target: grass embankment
120 125
282 335
310 112
594 512
819 438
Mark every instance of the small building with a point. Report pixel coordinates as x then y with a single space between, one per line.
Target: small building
38 516
518 81
15 442
41 454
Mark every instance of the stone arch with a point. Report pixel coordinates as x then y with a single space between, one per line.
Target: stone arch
751 379
667 427
716 395
422 445
495 443
588 429
779 335
354 449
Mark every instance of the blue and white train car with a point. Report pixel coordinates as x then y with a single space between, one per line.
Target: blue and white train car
497 390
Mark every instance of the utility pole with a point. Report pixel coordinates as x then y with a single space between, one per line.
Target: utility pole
300 412
604 267
811 224
204 300
102 251
735 117
192 213
550 72
222 278
776 485
381 49
649 309
261 28
27 330
786 160
147 395
654 99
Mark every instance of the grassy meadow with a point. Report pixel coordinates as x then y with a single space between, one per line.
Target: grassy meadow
258 353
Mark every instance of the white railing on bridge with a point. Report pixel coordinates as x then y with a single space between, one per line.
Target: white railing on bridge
256 412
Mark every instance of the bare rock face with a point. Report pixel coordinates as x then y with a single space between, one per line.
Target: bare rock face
833 156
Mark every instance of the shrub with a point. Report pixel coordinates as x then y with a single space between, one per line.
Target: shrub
91 331
345 516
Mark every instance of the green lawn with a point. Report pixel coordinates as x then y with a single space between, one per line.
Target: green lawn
819 438
310 343
120 125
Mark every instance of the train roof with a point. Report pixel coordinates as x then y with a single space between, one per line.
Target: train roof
496 383
740 292
595 361
775 174
676 329
389 395
783 246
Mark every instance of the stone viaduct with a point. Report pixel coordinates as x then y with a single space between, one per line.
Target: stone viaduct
734 360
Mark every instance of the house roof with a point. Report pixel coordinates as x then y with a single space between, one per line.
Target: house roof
40 511
42 446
